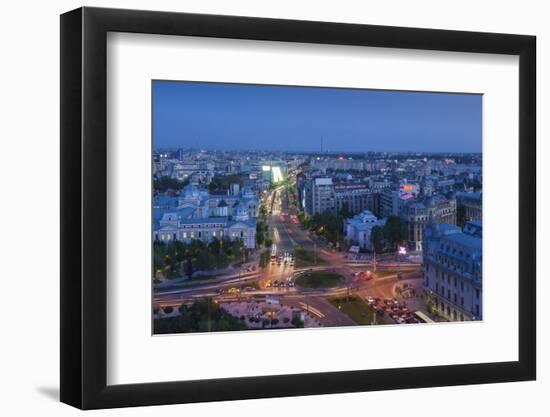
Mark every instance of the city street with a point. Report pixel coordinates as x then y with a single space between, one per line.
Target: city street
286 234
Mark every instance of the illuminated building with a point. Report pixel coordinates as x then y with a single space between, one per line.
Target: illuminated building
453 270
196 214
358 229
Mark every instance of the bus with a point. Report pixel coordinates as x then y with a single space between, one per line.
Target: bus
422 317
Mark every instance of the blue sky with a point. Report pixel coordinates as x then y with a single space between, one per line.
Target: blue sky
252 117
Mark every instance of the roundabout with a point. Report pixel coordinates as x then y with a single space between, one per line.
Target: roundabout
320 279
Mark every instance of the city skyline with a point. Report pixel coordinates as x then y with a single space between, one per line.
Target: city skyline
313 119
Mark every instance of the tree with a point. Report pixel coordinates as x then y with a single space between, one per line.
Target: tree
377 239
345 211
395 231
189 267
166 183
215 246
264 259
268 242
259 234
296 322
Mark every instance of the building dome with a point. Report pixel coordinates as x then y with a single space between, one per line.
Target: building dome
240 212
430 202
190 191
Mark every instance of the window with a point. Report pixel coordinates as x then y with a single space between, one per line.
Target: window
462 301
214 233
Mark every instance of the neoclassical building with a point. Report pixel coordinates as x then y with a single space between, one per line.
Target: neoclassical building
472 204
417 214
453 269
358 229
196 214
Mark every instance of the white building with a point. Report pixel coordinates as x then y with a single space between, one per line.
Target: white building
198 215
358 229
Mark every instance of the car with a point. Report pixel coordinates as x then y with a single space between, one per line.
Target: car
370 300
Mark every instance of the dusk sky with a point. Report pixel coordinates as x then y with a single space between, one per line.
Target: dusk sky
256 117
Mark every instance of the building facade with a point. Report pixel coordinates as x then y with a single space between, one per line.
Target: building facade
319 196
471 204
356 197
453 270
417 213
198 215
358 229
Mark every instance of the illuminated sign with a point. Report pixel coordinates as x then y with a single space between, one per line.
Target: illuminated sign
266 168
407 188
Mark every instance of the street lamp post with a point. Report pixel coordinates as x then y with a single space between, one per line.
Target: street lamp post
314 253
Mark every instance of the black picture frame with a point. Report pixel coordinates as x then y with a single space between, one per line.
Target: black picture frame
84 207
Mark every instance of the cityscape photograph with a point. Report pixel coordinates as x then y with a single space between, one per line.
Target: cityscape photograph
287 207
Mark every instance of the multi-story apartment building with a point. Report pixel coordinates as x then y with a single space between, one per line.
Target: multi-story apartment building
319 196
357 197
453 270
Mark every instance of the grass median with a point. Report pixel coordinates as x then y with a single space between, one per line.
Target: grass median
354 307
319 279
305 258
